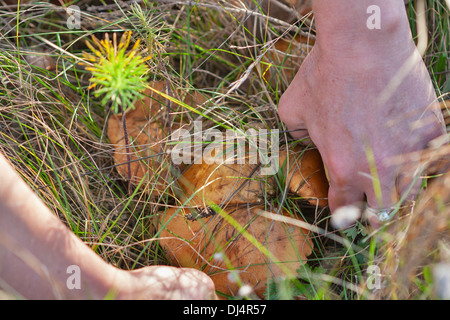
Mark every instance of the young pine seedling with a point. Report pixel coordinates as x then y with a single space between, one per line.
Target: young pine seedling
119 75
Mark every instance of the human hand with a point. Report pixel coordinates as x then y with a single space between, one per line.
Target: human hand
362 99
167 283
36 249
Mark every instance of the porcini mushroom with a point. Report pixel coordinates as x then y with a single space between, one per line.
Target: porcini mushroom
238 244
258 250
148 131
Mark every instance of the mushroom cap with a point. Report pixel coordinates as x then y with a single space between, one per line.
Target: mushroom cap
222 184
225 184
148 130
305 174
227 254
254 248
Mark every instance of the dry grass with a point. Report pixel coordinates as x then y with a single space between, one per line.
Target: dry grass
54 131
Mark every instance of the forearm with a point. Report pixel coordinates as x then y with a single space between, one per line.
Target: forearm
36 249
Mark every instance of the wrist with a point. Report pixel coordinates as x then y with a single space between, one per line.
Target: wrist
347 26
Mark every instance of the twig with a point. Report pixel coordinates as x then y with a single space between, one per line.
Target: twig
127 146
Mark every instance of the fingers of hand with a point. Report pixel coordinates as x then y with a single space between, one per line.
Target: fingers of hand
379 190
164 282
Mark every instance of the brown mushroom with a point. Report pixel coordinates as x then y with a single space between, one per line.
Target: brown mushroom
199 237
305 174
222 184
225 184
231 256
254 247
148 128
